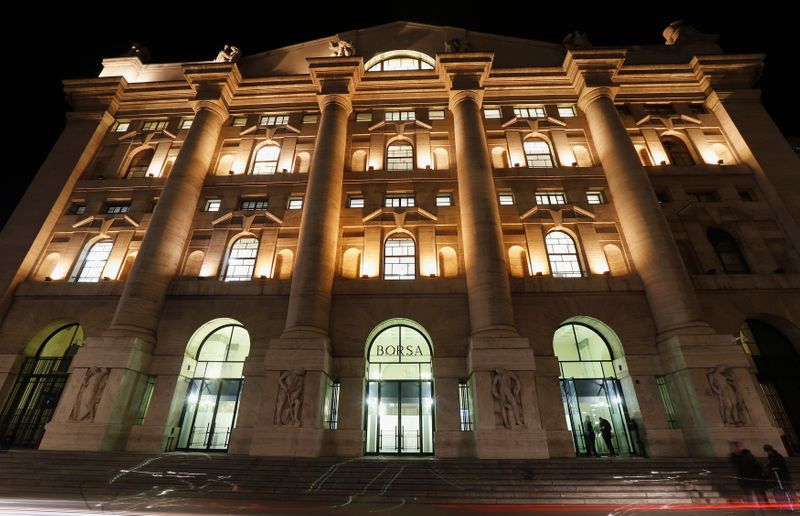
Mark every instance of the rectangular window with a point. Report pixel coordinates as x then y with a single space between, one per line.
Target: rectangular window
239 121
213 205
399 259
121 127
704 196
465 405
493 112
330 411
659 109
355 201
364 116
399 201
746 195
273 120
141 412
77 209
399 116
187 122
444 200
117 208
594 197
566 111
530 112
669 409
551 198
295 203
310 118
254 204
436 114
506 199
697 108
154 125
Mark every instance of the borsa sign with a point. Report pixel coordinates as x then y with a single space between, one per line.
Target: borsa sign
398 351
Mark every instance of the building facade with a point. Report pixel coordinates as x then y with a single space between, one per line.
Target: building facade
481 250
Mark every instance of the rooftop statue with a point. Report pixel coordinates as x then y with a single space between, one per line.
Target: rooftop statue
228 54
341 48
140 51
576 39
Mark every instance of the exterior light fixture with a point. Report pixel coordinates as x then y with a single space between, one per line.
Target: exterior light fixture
663 163
720 162
371 168
48 278
539 273
231 172
574 163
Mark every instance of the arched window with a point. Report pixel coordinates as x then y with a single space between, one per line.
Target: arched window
399 60
728 252
399 259
562 255
400 156
266 161
537 154
242 259
677 151
582 352
94 262
140 163
212 398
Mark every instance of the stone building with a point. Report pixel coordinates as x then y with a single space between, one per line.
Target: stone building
411 239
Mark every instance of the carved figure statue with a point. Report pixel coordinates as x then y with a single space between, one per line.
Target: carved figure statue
506 389
732 407
341 48
228 54
90 393
290 397
140 51
679 32
576 39
456 45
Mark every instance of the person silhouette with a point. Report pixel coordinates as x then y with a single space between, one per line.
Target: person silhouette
605 431
588 438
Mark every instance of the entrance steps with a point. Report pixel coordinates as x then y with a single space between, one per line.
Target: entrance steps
369 480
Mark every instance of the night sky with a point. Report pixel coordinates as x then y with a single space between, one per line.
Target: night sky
68 44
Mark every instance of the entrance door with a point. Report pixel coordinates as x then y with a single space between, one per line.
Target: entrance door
595 398
400 417
209 414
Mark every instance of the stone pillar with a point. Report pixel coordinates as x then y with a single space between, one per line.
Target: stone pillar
687 346
110 368
496 349
301 358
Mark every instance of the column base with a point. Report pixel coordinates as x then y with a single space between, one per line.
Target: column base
560 443
82 436
287 442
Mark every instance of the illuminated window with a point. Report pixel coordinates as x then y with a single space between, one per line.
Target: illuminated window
117 208
94 262
140 163
562 255
399 259
355 201
397 60
465 405
594 197
242 260
266 161
310 118
530 112
399 201
154 125
566 111
444 200
398 116
677 151
537 154
493 112
186 123
400 156
254 204
436 114
295 203
121 127
728 252
506 199
77 209
213 205
364 116
271 120
239 121
551 198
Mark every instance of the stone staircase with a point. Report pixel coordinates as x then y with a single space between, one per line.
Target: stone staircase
129 476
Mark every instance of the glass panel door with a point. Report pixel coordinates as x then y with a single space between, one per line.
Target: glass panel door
427 417
410 418
209 414
399 417
389 417
619 415
596 398
225 417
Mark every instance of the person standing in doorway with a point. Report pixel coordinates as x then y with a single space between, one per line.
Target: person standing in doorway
605 431
588 438
779 471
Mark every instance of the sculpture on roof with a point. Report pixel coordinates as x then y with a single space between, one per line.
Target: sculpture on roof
679 32
456 45
140 51
228 54
576 39
341 48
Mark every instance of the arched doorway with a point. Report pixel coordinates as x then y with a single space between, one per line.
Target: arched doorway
777 362
399 408
216 355
38 388
590 388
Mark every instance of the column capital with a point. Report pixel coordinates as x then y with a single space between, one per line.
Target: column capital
464 70
736 71
587 95
593 68
459 96
218 107
335 75
215 82
345 101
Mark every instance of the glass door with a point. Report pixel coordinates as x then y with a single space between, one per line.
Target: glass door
594 399
209 414
389 417
399 417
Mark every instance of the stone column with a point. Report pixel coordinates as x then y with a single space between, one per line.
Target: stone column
688 348
122 353
301 358
494 342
